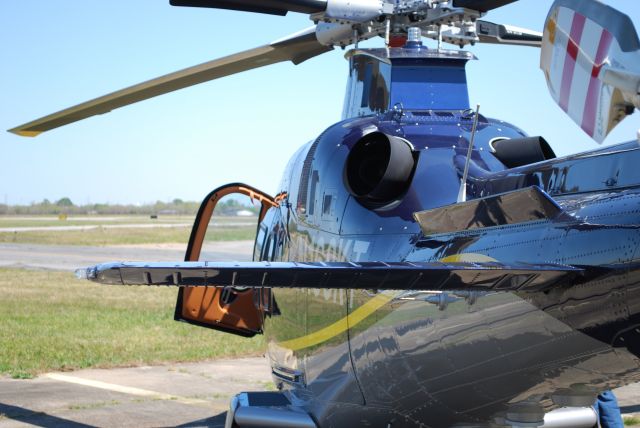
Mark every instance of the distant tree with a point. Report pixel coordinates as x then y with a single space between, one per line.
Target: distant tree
64 202
66 206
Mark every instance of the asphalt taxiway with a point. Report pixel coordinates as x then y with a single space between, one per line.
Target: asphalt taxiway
182 395
71 257
177 395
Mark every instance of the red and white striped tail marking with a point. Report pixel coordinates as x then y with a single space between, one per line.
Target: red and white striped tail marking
574 50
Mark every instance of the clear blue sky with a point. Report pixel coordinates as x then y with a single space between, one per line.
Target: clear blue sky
57 53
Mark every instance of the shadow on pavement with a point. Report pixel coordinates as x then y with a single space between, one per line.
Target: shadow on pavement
216 421
39 419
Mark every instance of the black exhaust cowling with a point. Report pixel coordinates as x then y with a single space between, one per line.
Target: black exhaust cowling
515 152
379 169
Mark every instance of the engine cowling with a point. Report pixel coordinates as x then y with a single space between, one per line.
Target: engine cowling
379 169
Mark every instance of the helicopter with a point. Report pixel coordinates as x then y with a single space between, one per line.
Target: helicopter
423 265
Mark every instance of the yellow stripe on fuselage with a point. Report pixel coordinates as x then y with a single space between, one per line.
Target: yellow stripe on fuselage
339 326
367 309
467 258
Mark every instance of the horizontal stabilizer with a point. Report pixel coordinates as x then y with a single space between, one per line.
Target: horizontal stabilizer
520 206
340 275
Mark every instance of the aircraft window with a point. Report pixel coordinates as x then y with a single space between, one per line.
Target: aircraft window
443 88
326 204
366 84
274 249
303 193
267 248
234 215
368 87
260 241
312 193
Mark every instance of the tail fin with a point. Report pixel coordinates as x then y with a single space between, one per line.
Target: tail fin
591 60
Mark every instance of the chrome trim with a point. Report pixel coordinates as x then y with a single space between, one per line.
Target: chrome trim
274 411
495 140
233 405
269 417
288 375
571 417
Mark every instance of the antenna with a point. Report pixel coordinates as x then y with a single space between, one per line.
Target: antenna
462 194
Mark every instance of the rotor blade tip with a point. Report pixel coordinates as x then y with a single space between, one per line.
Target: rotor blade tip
24 133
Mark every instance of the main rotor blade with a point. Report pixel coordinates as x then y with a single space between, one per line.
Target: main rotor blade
295 48
481 5
271 7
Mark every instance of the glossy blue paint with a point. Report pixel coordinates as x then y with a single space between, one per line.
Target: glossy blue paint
607 169
415 79
452 359
439 359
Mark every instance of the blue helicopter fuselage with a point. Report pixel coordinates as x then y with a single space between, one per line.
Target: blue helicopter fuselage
431 358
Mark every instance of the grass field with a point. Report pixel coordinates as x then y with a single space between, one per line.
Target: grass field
119 230
130 236
52 321
46 221
100 220
632 421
